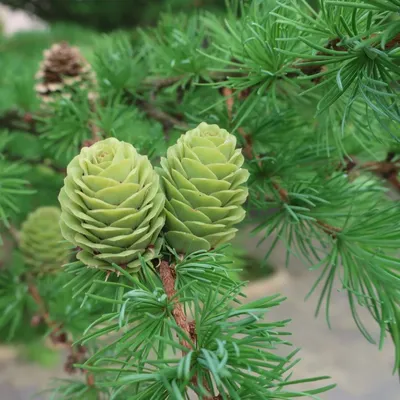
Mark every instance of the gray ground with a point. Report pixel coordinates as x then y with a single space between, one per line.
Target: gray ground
358 368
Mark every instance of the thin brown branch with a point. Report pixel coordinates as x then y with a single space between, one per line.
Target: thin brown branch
388 169
248 142
167 274
96 135
43 312
248 147
380 167
14 233
15 120
228 93
57 336
393 43
393 179
329 229
77 354
96 132
151 110
167 120
158 83
34 292
90 379
284 196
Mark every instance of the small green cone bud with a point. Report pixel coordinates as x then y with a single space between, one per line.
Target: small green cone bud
42 244
112 206
204 185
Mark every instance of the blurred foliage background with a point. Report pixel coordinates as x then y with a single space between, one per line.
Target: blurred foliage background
105 15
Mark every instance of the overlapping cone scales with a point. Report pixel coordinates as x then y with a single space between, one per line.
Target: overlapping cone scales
204 185
63 68
112 205
42 244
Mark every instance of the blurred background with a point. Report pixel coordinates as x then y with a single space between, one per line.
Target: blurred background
359 369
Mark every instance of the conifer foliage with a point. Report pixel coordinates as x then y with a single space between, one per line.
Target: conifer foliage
275 107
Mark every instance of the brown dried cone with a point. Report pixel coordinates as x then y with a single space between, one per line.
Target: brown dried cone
63 71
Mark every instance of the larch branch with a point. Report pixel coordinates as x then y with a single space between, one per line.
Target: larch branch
168 121
167 274
13 119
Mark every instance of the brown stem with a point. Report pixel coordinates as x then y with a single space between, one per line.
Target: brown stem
284 196
76 354
14 233
167 274
394 42
329 229
227 92
56 334
248 146
13 119
157 83
387 169
95 137
90 379
394 181
94 129
96 132
34 292
381 167
168 121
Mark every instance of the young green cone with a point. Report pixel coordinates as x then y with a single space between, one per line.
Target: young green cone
204 185
112 206
41 241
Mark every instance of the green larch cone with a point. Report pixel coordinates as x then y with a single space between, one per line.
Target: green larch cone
205 189
41 242
112 206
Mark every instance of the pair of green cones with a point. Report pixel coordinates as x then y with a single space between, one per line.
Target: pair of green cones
114 204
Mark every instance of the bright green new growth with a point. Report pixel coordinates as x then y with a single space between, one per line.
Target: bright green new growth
112 206
204 186
41 240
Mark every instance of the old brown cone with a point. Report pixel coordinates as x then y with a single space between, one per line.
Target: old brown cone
62 72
